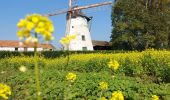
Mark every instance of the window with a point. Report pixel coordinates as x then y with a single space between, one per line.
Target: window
84 48
16 49
83 38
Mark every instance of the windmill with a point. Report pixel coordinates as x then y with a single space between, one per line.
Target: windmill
77 24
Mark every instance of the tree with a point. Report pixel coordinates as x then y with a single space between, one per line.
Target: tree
140 24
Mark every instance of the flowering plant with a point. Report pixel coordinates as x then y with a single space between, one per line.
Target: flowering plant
29 30
35 24
5 91
71 77
103 85
113 64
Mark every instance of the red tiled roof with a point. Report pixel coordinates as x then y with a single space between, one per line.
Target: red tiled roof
13 43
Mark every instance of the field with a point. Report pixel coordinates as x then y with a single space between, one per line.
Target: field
139 76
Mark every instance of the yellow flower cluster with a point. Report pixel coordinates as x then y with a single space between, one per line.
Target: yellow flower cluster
155 97
35 23
117 95
71 77
103 98
66 40
103 85
5 91
113 64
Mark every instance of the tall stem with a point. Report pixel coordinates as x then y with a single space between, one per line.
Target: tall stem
37 73
68 55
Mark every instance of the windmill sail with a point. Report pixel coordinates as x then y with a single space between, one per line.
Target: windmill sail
79 8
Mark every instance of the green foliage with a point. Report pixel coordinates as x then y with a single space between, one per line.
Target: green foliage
54 85
140 24
139 64
141 74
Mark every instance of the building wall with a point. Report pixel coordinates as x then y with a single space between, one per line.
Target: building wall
32 49
79 27
7 49
19 49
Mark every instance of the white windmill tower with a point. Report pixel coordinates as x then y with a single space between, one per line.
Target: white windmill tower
77 24
79 27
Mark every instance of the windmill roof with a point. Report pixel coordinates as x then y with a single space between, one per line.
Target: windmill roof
100 43
13 43
81 14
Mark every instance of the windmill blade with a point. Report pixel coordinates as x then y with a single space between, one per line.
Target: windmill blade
57 13
92 6
98 9
79 8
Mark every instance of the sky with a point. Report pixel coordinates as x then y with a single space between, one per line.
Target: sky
11 11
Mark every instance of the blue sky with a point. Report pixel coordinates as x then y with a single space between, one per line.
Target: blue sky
13 10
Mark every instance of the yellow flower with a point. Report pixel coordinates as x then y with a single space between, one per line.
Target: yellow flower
62 41
48 36
23 33
30 26
35 24
103 85
20 35
71 77
66 40
35 19
23 69
113 64
71 37
5 91
51 28
103 98
40 30
22 23
29 39
155 97
41 24
117 95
